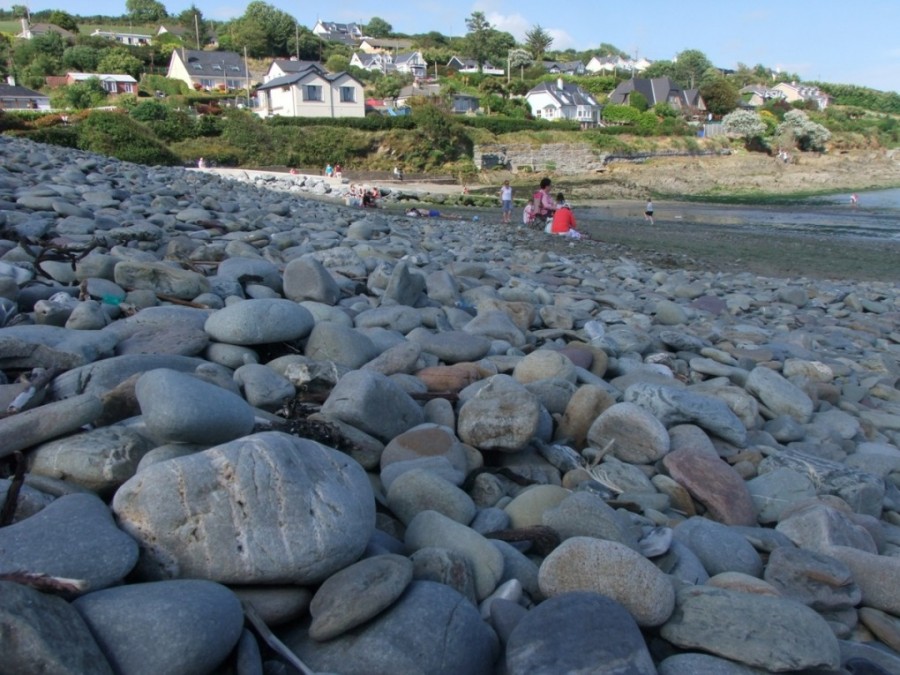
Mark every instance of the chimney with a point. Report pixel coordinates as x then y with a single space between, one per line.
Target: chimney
560 84
11 80
24 24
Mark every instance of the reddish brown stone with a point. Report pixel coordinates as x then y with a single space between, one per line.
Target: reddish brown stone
713 483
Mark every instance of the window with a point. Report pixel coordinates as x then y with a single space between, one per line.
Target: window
109 86
312 92
348 94
128 87
235 84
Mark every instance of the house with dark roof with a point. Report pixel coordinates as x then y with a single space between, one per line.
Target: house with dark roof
209 70
564 67
281 67
33 30
348 33
311 93
463 65
14 97
561 100
659 90
408 63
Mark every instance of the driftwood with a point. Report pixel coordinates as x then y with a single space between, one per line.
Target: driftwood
44 582
542 539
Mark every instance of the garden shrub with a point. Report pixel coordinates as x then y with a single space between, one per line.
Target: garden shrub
117 135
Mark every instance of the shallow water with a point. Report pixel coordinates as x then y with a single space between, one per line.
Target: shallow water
877 215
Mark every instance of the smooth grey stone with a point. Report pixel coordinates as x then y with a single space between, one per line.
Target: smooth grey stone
162 330
23 347
671 405
28 501
48 421
682 563
358 593
374 404
779 634
402 639
45 634
404 287
777 490
306 278
168 451
177 407
518 566
74 537
340 344
502 416
583 514
498 325
779 395
249 657
420 490
396 317
251 270
230 356
578 632
197 621
431 529
101 376
445 566
451 346
266 508
263 387
718 547
275 605
160 278
253 322
817 580
99 460
703 664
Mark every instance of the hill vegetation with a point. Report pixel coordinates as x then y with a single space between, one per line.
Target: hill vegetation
165 123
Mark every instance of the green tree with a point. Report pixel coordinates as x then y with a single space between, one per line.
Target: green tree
279 27
744 124
63 19
246 33
620 114
21 12
146 11
81 58
378 28
720 96
806 134
79 95
478 38
192 19
538 41
337 63
690 65
120 61
305 44
638 101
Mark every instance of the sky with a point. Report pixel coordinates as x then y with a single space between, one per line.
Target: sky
836 41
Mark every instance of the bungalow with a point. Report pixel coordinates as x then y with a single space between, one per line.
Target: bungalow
459 103
348 33
312 93
209 70
756 95
659 90
130 39
564 67
14 97
563 101
379 45
798 92
462 65
33 30
407 63
612 64
281 67
112 83
376 61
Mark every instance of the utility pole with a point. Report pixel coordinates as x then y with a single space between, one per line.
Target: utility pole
247 68
197 30
297 38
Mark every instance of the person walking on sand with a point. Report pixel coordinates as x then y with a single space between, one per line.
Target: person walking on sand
648 210
506 201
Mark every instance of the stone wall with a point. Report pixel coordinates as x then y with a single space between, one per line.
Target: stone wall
558 158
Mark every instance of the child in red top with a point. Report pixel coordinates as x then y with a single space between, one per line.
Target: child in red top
563 219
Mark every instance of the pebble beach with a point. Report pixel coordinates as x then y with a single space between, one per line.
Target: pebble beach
251 430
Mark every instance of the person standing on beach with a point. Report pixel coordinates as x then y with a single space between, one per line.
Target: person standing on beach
648 210
506 201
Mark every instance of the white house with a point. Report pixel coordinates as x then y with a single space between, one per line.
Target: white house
612 64
348 33
312 93
410 63
377 61
281 67
209 70
131 39
33 30
463 65
800 92
562 101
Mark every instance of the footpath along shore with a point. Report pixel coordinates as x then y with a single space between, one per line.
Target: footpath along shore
247 428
